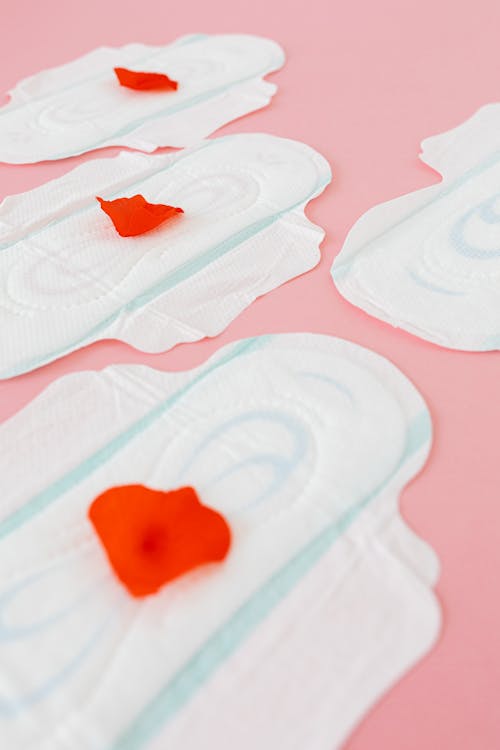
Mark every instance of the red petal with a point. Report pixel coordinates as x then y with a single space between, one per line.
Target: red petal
133 216
152 537
134 79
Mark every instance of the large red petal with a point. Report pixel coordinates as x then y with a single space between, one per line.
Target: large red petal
142 81
153 537
133 216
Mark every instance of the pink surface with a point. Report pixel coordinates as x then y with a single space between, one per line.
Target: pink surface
364 83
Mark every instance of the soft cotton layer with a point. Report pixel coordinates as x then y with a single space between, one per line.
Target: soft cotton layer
429 262
81 106
303 443
68 279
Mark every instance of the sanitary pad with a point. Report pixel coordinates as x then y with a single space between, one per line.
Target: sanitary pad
68 279
303 442
429 261
81 106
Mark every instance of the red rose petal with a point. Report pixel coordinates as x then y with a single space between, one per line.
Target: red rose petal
152 537
133 216
141 81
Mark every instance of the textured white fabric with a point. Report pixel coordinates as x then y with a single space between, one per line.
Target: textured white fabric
67 278
81 106
304 442
429 261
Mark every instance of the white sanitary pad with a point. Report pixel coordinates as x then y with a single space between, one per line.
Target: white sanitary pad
429 261
80 106
304 443
68 279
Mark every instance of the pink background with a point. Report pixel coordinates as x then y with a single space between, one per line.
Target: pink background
364 83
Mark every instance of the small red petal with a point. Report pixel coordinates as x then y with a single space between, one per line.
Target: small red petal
141 81
152 537
133 216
